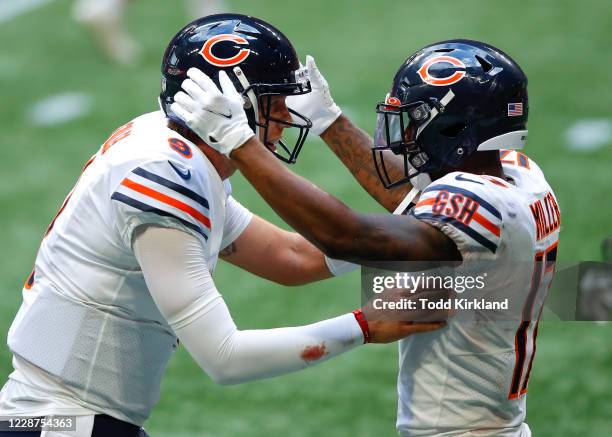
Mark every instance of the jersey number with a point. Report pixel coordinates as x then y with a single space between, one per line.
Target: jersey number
521 159
544 266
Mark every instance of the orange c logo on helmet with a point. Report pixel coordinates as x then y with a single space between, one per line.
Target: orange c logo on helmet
242 54
441 81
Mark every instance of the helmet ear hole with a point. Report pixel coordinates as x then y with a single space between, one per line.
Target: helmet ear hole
453 130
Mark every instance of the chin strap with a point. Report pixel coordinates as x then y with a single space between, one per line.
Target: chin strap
419 183
407 202
250 94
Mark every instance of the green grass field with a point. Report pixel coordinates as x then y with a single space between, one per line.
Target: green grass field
564 47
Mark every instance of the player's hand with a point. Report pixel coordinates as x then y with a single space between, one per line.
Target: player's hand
318 105
217 117
388 325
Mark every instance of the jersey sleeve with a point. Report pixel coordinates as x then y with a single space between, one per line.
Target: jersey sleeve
162 193
237 218
463 207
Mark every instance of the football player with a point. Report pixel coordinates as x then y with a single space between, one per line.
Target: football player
125 269
447 129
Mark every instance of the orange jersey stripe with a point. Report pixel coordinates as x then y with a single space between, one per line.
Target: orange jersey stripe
503 154
495 181
426 202
30 281
167 200
484 222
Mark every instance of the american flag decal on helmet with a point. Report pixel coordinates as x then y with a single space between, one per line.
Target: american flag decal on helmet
515 109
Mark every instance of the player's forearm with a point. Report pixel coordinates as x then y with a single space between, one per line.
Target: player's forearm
329 224
174 266
295 262
354 148
321 218
275 254
301 263
230 356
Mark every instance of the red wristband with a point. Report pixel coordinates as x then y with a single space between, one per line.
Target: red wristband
363 324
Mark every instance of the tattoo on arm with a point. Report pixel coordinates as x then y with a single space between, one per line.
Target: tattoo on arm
229 250
354 148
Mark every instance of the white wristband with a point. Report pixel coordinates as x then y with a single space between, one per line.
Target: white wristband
338 267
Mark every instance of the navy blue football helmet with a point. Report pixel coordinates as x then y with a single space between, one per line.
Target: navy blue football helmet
448 101
258 58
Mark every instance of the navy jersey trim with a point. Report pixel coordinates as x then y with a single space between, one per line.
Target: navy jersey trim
148 208
465 229
172 185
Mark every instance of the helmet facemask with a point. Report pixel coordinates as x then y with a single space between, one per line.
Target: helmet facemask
258 107
398 128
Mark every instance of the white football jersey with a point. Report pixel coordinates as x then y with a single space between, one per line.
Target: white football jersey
88 333
471 377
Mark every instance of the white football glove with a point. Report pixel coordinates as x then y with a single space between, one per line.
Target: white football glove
217 117
318 104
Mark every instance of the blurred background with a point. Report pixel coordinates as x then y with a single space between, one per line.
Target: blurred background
63 92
